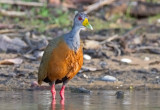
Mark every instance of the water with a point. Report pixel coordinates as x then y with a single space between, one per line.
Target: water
98 100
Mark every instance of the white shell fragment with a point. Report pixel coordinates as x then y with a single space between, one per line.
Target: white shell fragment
146 58
109 78
86 57
126 60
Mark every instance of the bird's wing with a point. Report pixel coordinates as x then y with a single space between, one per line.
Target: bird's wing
42 73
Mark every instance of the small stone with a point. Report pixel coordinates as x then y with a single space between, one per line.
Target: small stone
154 70
12 74
126 60
103 64
80 90
84 76
29 56
38 54
108 78
89 68
146 59
86 57
34 84
119 94
91 81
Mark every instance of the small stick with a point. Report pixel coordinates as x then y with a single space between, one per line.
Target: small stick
97 5
12 13
147 48
22 3
110 39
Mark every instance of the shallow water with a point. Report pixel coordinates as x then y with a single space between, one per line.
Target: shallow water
97 100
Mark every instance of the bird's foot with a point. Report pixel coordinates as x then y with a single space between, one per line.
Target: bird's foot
62 102
53 95
53 101
62 92
53 91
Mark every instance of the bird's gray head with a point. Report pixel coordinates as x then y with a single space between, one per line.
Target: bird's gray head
81 20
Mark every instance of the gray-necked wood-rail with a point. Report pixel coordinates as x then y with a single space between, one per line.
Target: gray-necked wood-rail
63 57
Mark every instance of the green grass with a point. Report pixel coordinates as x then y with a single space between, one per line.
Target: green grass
153 19
30 0
40 17
153 1
44 17
99 24
58 17
5 6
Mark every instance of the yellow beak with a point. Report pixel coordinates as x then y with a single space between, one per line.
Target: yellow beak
86 24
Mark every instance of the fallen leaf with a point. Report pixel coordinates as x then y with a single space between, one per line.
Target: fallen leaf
15 61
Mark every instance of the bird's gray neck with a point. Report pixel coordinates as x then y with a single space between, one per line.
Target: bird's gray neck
73 39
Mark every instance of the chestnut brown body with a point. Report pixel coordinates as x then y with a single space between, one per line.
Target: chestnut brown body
60 61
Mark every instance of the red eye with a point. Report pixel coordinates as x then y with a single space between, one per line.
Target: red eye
80 18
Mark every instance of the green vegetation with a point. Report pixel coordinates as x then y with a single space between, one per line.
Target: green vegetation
39 18
31 0
46 18
153 19
153 1
113 23
5 6
44 12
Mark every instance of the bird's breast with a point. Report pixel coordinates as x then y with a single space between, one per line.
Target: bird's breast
65 61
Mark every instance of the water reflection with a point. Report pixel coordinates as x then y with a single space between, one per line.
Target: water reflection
62 103
102 100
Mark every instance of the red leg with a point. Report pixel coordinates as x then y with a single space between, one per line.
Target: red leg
53 91
62 92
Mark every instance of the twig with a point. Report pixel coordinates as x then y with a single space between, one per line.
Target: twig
12 13
7 31
110 39
115 47
151 49
132 31
22 3
96 37
97 5
148 48
12 35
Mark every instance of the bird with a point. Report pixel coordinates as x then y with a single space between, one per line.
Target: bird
63 56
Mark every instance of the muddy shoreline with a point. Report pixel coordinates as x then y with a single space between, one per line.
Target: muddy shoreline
129 76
